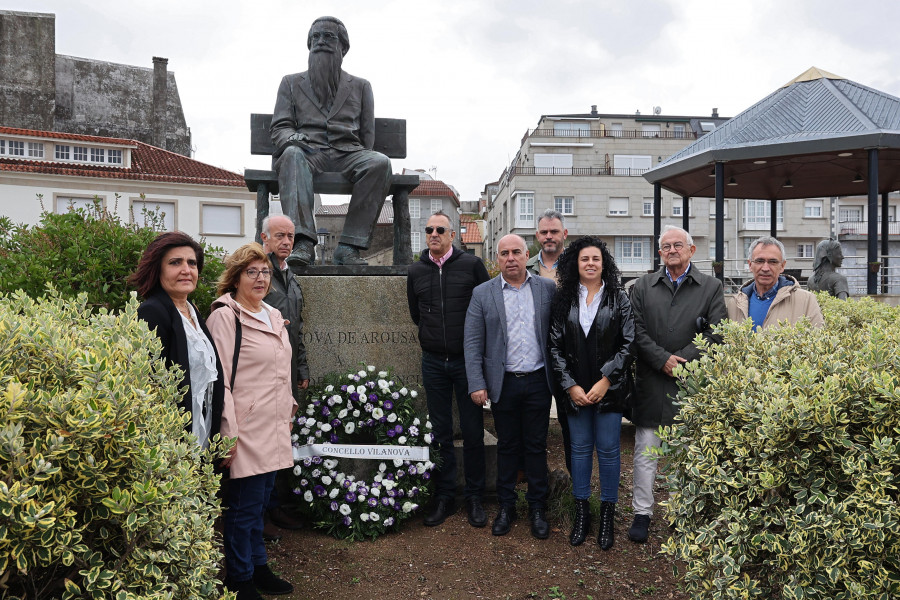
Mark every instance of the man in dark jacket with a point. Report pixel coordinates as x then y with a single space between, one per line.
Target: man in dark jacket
438 288
671 306
285 295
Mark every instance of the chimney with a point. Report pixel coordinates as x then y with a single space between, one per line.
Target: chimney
715 113
160 95
593 110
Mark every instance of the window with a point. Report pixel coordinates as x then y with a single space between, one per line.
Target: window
565 205
633 252
436 205
114 157
65 204
649 131
757 214
81 153
35 149
631 164
572 129
550 163
150 212
707 126
892 213
415 240
805 251
525 209
678 131
221 219
98 155
616 130
812 209
2 146
677 204
415 208
648 207
16 148
62 152
618 206
712 209
712 249
852 214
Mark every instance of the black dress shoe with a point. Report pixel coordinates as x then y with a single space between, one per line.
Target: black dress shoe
442 509
243 590
477 516
345 254
303 253
269 583
540 528
504 520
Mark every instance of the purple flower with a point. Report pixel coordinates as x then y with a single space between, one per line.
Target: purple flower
346 483
371 385
350 497
347 521
319 491
307 461
391 433
390 476
413 430
399 429
386 501
318 433
370 422
389 521
400 473
388 405
317 460
373 397
373 502
368 407
383 419
333 439
412 470
354 396
426 475
304 482
326 411
391 493
335 422
298 491
400 493
334 506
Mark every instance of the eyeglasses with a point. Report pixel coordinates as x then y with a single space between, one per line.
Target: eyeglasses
441 230
255 273
677 245
772 262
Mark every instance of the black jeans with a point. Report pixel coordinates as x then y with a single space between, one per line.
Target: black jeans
442 375
522 417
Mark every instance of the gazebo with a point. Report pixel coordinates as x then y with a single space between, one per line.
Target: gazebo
818 135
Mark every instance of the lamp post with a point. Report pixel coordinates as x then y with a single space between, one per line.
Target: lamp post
322 234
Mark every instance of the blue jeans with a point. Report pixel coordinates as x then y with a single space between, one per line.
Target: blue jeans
442 375
591 428
245 503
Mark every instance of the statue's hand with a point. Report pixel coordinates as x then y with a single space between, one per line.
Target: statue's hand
298 137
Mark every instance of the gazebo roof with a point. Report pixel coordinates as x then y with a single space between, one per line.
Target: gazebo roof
807 139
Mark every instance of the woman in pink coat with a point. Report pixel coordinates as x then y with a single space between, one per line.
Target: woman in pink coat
257 412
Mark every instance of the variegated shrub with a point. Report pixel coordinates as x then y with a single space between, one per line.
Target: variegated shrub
102 493
784 468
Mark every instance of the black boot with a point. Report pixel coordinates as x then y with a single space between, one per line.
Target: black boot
607 516
582 525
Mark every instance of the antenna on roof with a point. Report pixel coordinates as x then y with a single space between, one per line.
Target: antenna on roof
657 110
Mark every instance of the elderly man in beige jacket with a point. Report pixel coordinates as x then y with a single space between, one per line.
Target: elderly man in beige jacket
771 297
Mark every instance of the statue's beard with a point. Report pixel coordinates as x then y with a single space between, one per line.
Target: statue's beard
325 75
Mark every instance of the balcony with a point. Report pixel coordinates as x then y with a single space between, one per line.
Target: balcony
576 171
628 134
861 228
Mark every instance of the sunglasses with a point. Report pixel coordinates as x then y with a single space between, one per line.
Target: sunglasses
441 230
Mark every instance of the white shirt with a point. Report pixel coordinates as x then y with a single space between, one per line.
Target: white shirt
588 312
202 363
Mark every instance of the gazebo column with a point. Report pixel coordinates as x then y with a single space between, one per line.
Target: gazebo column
657 223
773 218
872 275
720 218
685 213
885 239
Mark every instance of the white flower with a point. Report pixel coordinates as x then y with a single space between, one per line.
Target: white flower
420 468
329 388
370 368
392 417
382 467
377 413
416 421
351 388
378 477
356 413
408 506
414 393
403 391
316 472
304 431
350 428
326 480
363 373
375 491
333 493
339 478
427 438
345 509
310 422
361 498
311 410
307 496
382 374
388 484
342 414
398 462
382 384
336 399
427 424
297 470
394 395
295 437
330 463
325 426
429 464
364 517
402 439
374 516
352 487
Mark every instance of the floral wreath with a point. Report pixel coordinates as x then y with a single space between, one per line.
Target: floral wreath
366 407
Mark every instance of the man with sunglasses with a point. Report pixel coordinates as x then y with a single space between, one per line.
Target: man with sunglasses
772 297
439 287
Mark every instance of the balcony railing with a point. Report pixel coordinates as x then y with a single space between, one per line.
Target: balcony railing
583 171
862 228
628 134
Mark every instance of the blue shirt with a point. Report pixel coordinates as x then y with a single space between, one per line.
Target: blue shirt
523 351
677 282
758 305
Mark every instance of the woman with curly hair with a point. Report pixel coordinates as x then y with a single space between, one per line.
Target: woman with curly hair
591 337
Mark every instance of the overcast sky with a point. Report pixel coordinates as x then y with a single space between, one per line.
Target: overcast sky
472 76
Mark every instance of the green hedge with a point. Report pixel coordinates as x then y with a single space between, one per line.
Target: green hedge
91 251
102 493
783 469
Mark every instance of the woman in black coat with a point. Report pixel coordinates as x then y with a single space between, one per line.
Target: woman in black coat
166 275
591 337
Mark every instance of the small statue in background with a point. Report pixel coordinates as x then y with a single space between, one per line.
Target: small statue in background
825 279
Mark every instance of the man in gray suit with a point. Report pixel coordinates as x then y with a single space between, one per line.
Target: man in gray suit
508 365
324 120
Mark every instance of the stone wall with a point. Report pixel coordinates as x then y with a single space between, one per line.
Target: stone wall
27 76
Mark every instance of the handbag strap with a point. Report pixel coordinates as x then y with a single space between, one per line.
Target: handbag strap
237 349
